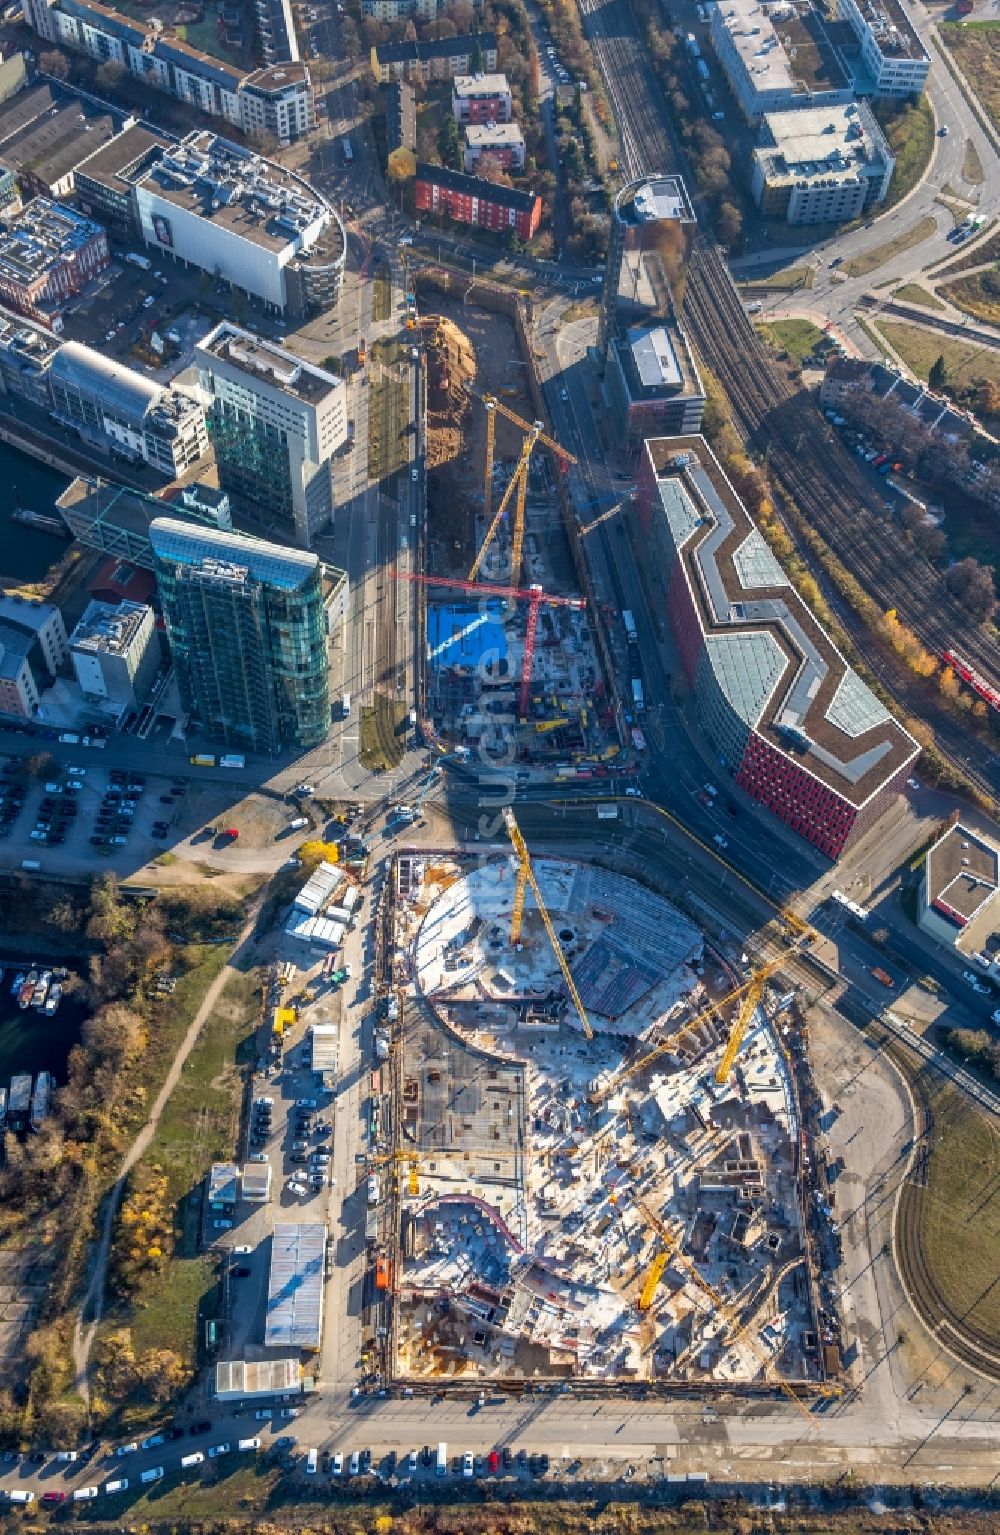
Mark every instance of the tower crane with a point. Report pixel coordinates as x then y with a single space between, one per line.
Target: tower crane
721 1305
748 1006
524 877
534 433
533 595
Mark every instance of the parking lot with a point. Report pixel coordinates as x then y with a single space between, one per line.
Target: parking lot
289 1126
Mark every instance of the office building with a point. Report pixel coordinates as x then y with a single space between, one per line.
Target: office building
776 58
48 253
651 223
821 164
894 60
785 714
439 59
470 200
115 653
247 629
277 99
45 131
275 422
481 99
125 412
227 211
958 894
503 142
652 382
26 353
105 180
43 622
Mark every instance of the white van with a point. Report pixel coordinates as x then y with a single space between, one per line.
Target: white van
345 706
154 1474
194 1459
374 1189
312 1460
21 1495
298 823
442 1460
120 1484
249 1444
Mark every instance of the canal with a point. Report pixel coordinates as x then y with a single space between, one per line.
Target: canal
25 553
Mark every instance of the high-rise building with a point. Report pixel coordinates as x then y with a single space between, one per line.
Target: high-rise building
247 628
275 422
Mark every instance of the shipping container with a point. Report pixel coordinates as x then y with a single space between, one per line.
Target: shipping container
202 761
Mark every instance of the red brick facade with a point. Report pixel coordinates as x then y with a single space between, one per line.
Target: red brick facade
470 200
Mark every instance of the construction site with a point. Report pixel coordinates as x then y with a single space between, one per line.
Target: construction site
594 1163
511 670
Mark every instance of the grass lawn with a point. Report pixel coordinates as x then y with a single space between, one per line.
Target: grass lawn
913 293
871 260
382 294
198 1126
973 296
910 133
381 742
920 349
797 337
972 166
976 46
959 1210
790 277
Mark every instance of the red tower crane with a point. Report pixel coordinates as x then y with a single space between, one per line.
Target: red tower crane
534 596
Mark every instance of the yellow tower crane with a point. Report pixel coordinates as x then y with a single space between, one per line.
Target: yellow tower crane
653 1276
749 1005
524 877
722 1306
533 434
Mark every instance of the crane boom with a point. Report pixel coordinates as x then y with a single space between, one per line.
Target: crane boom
653 1276
720 1304
524 857
520 473
518 593
737 1033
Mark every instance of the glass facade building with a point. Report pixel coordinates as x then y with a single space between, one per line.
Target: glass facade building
248 635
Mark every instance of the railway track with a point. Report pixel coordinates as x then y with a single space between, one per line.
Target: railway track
774 420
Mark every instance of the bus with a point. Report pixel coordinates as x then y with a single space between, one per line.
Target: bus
202 761
346 151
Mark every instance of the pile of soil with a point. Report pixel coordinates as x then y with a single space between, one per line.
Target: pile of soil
451 364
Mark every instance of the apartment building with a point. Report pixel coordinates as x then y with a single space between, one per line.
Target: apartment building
470 200
481 99
48 253
440 59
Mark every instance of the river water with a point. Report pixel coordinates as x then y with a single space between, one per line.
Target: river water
25 553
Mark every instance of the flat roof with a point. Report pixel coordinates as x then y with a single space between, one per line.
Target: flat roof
779 669
652 199
237 189
196 545
41 236
962 874
836 141
486 134
295 1286
257 1377
654 356
25 342
277 77
108 628
480 85
272 364
121 153
782 49
892 28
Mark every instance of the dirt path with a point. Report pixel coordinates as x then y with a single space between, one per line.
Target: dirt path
93 1301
